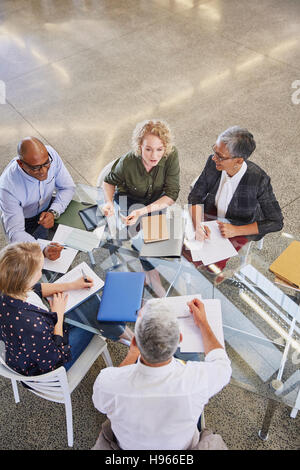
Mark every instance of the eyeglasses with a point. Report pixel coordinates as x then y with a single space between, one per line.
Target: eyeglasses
38 168
219 157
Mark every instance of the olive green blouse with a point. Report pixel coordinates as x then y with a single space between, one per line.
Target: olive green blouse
130 177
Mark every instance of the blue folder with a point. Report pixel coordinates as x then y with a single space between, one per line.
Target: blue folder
122 296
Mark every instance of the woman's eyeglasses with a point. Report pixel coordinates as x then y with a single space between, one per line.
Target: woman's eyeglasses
219 157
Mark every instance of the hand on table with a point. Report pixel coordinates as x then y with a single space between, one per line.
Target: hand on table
46 219
53 251
227 230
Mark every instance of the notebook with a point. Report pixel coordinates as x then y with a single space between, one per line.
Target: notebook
76 297
170 248
287 265
155 228
191 335
122 296
62 264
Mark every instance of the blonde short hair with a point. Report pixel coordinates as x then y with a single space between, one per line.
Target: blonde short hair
155 127
18 263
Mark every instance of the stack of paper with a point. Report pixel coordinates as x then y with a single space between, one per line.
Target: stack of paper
76 297
215 249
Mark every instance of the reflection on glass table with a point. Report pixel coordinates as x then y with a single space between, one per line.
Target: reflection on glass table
261 319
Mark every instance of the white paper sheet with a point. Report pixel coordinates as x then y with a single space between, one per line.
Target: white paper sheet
62 264
76 297
178 304
76 238
191 334
213 250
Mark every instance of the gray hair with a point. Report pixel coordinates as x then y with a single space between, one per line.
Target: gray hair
157 332
239 142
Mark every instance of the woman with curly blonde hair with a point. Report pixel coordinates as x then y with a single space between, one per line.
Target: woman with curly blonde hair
148 175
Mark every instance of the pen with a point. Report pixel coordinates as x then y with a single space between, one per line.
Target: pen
84 276
60 244
203 230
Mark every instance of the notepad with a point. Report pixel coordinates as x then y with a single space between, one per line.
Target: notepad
213 250
122 296
155 228
287 265
76 238
76 297
62 264
191 334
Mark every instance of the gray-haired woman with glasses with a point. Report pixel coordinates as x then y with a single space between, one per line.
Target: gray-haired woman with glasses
235 191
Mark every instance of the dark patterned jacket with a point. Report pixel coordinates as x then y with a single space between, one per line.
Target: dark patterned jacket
31 346
253 200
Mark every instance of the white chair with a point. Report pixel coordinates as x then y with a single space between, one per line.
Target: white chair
104 172
58 385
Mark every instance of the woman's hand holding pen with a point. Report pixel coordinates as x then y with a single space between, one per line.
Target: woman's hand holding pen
202 233
83 282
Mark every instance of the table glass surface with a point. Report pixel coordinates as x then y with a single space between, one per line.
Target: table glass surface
261 319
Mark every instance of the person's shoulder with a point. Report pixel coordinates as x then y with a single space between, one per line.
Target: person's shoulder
256 171
54 154
128 158
173 155
10 171
112 376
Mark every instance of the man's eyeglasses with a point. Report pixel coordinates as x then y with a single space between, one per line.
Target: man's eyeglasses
38 168
219 157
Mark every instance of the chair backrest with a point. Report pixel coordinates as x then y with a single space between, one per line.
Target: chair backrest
52 386
104 172
3 229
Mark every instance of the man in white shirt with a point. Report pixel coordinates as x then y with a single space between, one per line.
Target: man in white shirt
153 400
26 193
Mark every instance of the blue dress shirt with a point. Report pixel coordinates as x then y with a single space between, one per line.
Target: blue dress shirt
22 196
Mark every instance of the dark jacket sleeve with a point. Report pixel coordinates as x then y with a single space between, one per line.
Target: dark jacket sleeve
202 185
271 218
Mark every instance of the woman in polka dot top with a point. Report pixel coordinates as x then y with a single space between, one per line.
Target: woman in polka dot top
36 339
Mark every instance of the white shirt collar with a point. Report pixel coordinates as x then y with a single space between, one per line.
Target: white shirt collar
155 371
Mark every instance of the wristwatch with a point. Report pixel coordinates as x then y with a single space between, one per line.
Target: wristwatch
55 213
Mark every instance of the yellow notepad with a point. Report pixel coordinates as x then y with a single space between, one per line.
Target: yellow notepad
155 228
287 265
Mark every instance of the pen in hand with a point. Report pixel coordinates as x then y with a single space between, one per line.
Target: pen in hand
84 276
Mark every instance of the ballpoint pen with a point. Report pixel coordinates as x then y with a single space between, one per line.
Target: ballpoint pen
203 230
60 244
84 276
